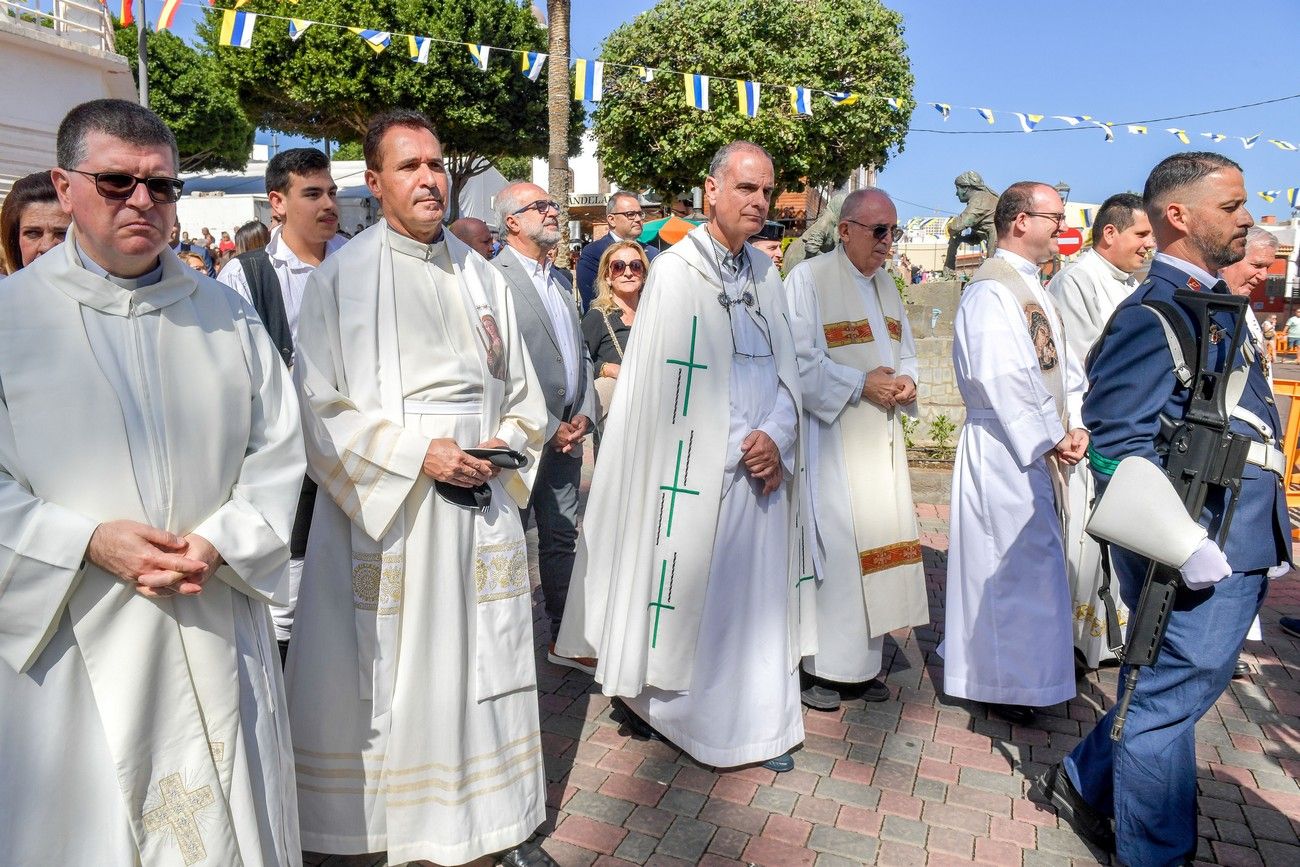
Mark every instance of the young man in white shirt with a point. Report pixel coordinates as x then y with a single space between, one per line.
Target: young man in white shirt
304 203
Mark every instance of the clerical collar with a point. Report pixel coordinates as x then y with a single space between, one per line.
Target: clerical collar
130 284
417 249
1020 263
1205 278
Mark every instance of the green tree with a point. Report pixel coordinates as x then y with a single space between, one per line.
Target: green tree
191 94
329 82
649 136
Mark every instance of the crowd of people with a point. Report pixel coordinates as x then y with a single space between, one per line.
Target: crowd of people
337 445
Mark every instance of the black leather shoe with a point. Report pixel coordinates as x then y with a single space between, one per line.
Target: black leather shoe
1074 809
1017 714
875 690
1290 625
639 727
527 855
819 697
1242 669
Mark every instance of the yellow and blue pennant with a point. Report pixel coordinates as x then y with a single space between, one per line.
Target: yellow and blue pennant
237 28
747 92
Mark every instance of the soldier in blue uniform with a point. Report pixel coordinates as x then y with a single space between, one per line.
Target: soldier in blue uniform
1146 782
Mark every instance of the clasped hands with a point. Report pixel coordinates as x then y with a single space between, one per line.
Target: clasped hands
885 389
762 459
569 434
1072 447
155 562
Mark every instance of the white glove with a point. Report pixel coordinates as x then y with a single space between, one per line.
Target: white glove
1206 567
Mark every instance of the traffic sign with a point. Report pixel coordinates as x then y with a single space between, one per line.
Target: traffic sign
1070 241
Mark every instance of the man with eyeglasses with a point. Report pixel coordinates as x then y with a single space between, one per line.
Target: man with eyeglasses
548 321
150 459
626 220
858 372
691 584
1007 636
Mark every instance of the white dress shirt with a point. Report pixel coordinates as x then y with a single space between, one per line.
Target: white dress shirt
291 271
559 306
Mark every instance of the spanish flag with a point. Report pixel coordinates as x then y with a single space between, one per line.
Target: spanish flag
168 14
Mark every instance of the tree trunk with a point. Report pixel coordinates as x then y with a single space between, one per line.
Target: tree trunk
557 99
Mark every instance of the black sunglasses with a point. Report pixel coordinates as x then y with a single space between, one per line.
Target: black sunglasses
618 266
541 206
119 186
880 230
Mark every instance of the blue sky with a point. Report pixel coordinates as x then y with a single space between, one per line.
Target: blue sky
1070 59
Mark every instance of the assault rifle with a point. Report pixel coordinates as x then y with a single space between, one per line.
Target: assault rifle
1200 453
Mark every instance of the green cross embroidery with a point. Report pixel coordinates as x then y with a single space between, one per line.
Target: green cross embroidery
799 581
659 604
690 366
674 489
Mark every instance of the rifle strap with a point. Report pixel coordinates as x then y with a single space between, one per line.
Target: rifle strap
1114 636
1182 344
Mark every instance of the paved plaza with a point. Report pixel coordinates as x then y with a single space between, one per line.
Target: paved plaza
919 779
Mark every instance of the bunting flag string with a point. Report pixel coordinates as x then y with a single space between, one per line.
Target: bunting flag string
589 76
125 14
237 28
1269 195
588 79
748 94
1293 196
417 48
801 100
697 90
480 54
531 63
168 14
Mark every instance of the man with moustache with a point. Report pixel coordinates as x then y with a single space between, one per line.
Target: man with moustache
548 322
691 575
858 371
1146 782
1086 293
1007 627
150 457
412 688
304 196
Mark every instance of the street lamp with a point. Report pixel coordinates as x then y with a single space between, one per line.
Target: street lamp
1064 189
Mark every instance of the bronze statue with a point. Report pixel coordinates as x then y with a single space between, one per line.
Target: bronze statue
820 237
975 224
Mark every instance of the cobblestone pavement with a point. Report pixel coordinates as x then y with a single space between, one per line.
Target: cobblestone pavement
919 779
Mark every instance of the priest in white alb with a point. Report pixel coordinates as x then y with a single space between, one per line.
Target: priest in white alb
1007 637
412 685
1086 292
857 371
689 582
150 458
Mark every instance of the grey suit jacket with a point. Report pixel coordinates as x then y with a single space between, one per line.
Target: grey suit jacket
544 347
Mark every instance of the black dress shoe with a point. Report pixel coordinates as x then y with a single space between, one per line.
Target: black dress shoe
1290 625
1017 714
1241 669
875 690
639 727
1074 809
527 855
819 697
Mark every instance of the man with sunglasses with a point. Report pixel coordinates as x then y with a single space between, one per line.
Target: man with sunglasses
150 458
691 586
1007 635
626 219
548 320
858 372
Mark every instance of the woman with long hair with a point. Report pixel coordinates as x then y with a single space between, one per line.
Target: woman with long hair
605 328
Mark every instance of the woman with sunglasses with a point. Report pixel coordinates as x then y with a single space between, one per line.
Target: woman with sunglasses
605 328
31 221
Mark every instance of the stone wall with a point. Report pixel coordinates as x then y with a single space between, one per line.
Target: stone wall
931 309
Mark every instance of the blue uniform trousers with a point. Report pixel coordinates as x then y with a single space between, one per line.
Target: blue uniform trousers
1147 783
